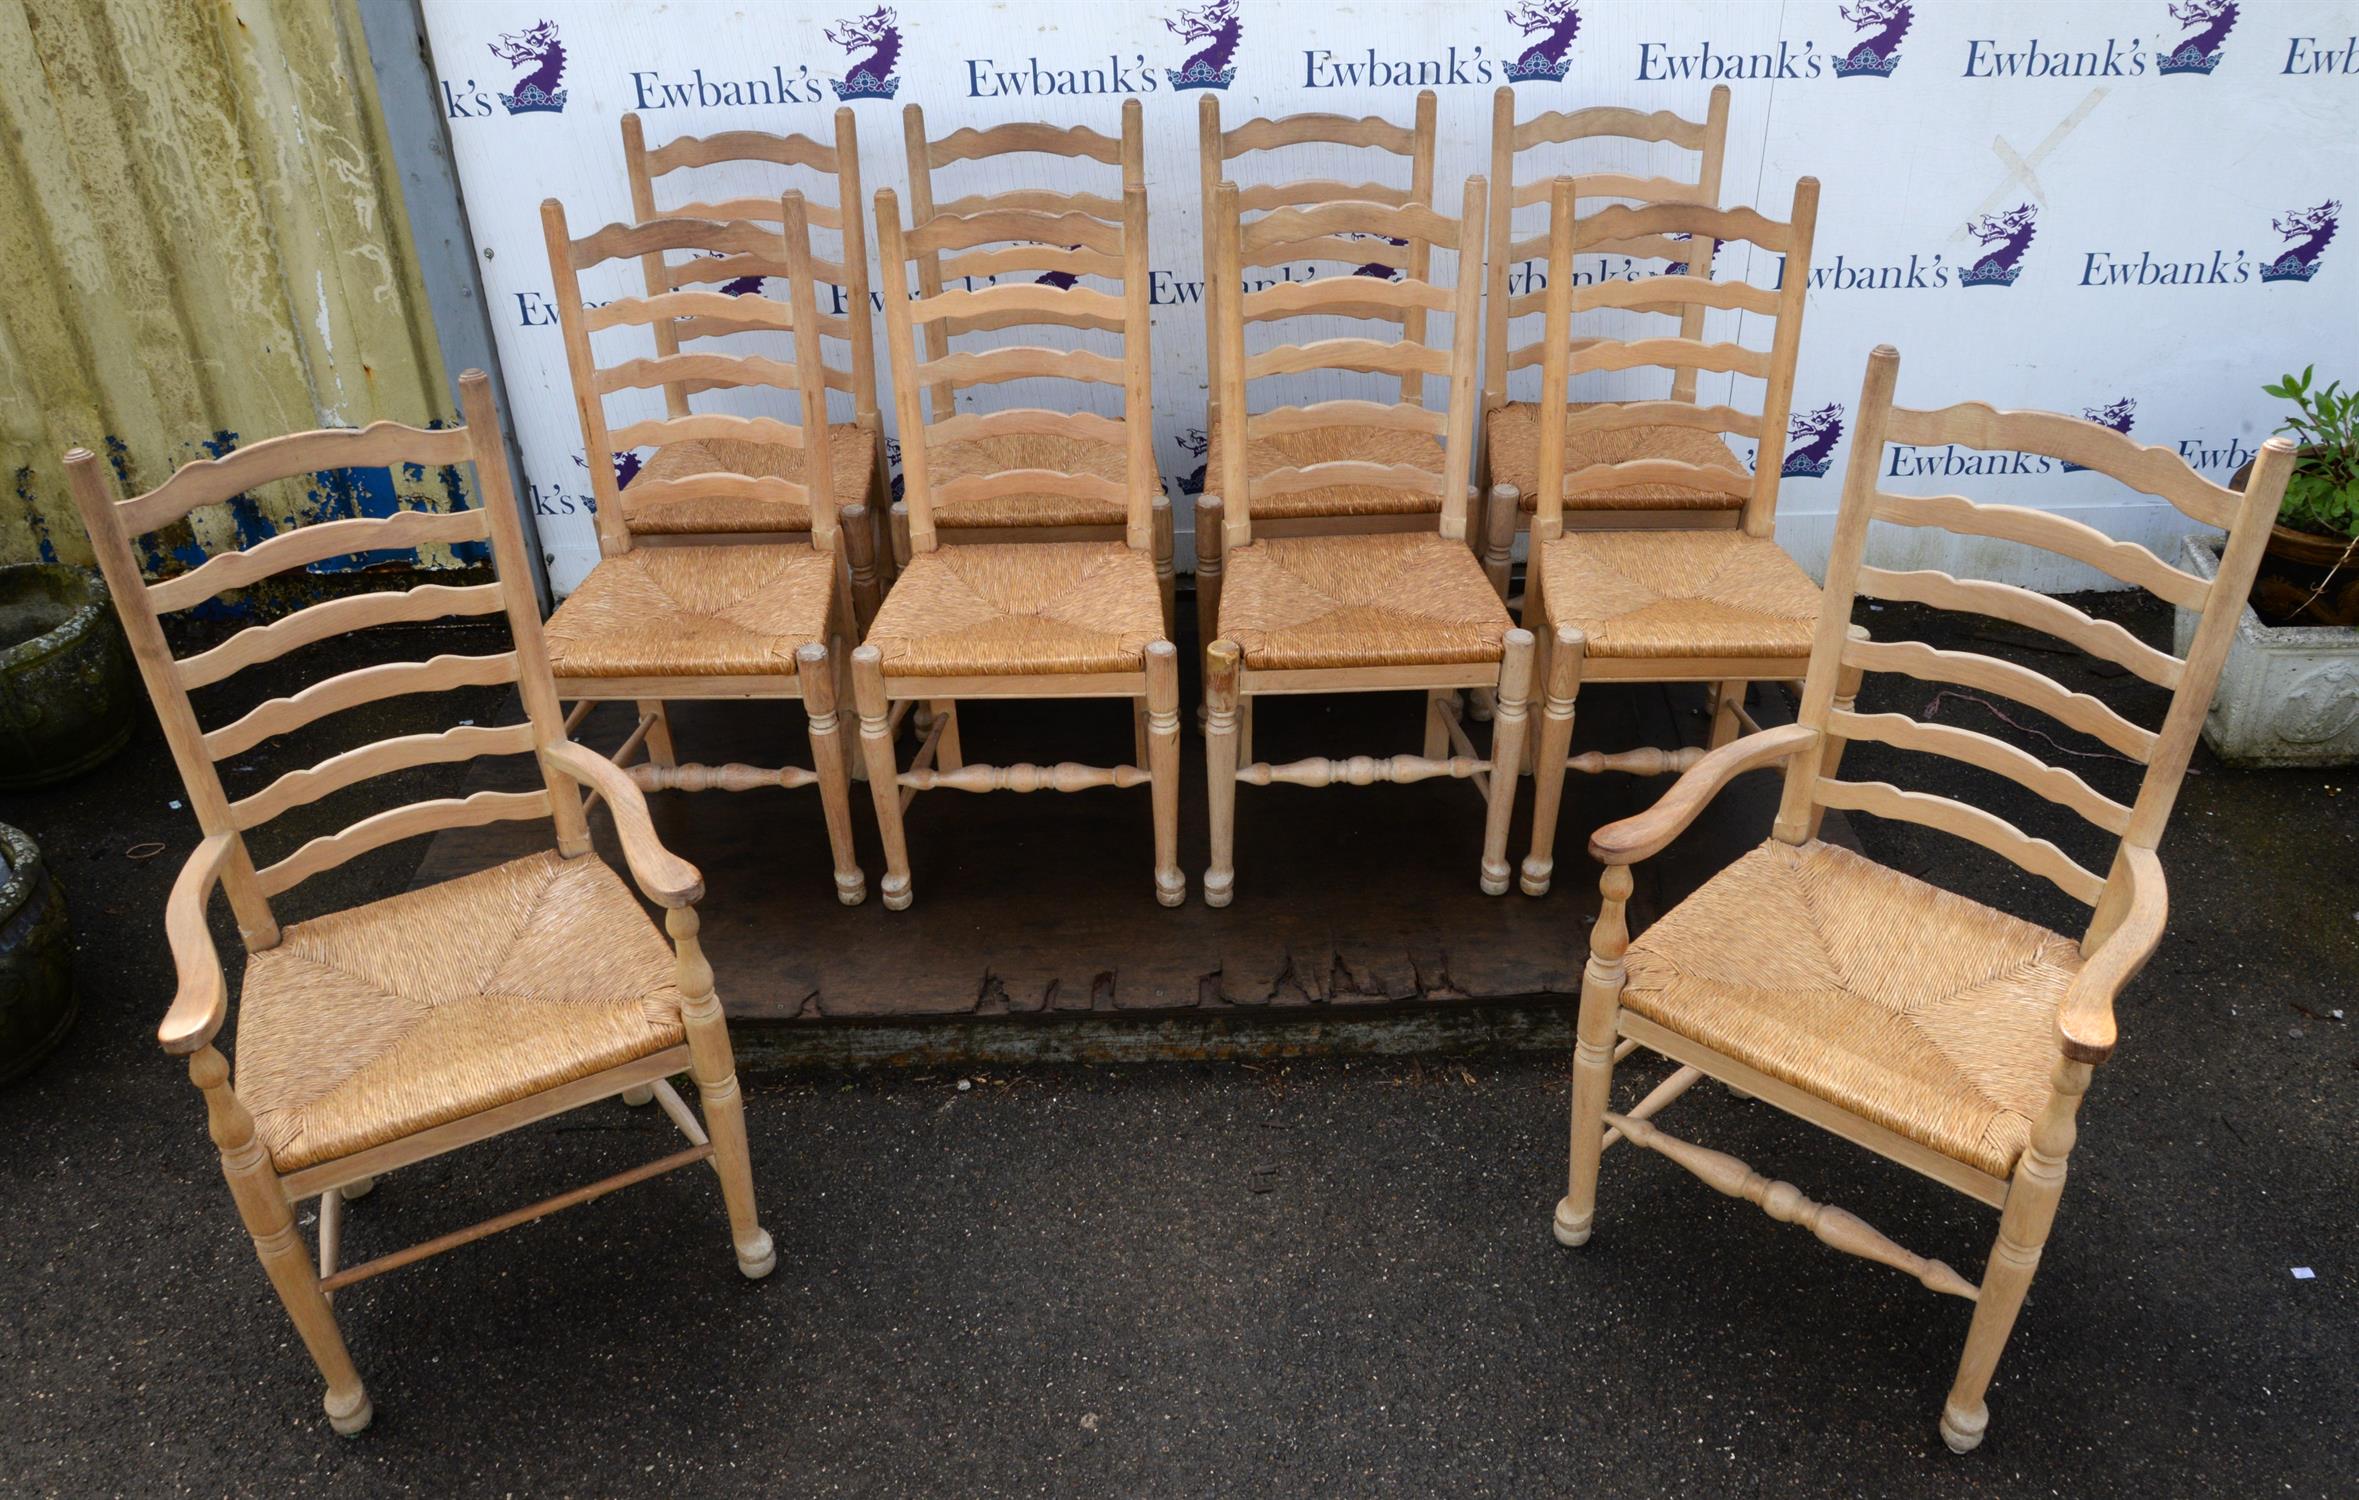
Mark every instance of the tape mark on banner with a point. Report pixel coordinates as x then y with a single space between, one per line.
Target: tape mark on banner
2025 169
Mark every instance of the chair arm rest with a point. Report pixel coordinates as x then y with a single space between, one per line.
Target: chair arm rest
1643 836
201 1003
2084 1023
668 880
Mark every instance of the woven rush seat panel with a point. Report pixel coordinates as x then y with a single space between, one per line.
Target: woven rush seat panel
1512 434
1929 1014
997 455
373 1024
731 611
1391 599
1323 445
1680 593
851 451
1006 608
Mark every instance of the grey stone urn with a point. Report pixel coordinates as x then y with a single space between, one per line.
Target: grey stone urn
36 957
69 694
2289 694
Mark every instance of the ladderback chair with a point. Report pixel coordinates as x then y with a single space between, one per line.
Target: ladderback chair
1405 151
695 170
381 1035
1712 598
1029 619
728 620
1945 1035
1075 159
1550 145
1387 611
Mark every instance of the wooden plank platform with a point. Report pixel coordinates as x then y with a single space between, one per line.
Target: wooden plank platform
1042 906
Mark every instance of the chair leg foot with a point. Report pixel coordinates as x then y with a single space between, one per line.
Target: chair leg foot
349 1412
361 1187
895 889
851 887
1571 1228
1537 874
1963 1430
639 1094
1495 882
756 1256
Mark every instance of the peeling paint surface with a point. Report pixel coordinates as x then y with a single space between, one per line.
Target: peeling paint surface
204 245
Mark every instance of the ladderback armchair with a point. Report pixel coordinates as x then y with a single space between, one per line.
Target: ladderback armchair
1940 1033
378 1036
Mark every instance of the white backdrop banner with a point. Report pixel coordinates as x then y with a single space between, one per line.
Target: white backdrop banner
2126 208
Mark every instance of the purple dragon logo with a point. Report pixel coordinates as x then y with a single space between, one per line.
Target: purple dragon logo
2117 416
2208 23
1817 432
1679 267
893 466
2308 232
626 468
2007 235
1556 23
537 49
1878 55
871 77
1215 66
1198 445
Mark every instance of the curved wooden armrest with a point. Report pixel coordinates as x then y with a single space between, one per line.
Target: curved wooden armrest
202 1002
2084 1023
667 879
1644 835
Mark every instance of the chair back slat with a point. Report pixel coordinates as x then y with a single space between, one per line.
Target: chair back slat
213 480
926 387
405 752
1518 182
2085 544
672 307
2021 606
395 824
2163 752
2146 467
1217 148
1604 418
112 524
807 379
2058 785
317 622
1234 240
1024 137
1689 296
848 272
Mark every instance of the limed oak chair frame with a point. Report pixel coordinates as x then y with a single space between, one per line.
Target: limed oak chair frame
1018 516
314 1111
1036 618
1510 446
1334 509
860 472
1367 612
1949 1037
1696 602
731 619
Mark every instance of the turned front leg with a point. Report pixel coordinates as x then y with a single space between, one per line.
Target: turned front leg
1566 656
2023 1232
1509 721
715 1071
1593 1057
254 1184
815 670
884 772
1171 887
1220 768
1208 569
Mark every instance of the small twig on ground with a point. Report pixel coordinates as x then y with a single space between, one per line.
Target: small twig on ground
1933 710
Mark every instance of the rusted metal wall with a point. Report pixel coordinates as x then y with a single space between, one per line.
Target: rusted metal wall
202 244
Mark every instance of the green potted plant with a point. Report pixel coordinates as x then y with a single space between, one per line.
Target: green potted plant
2318 523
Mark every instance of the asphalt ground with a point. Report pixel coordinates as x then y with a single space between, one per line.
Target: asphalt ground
1328 1277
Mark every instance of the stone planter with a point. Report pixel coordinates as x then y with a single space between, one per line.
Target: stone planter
2289 694
69 695
36 957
